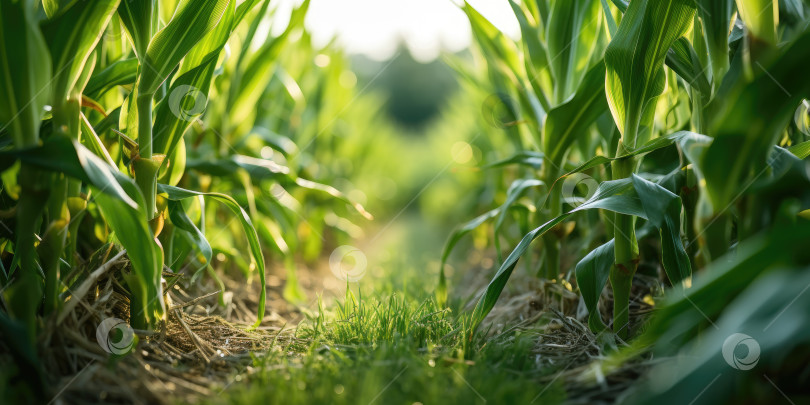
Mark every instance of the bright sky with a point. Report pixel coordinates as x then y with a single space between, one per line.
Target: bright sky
373 27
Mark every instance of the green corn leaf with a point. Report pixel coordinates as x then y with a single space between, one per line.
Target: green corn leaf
255 77
801 150
168 47
620 196
683 59
54 7
635 58
62 154
178 194
263 169
131 227
71 37
140 19
571 37
452 241
516 189
592 274
93 142
460 232
497 47
621 5
569 121
25 72
663 210
537 65
611 22
179 109
118 73
524 158
727 277
761 18
181 220
715 19
751 120
658 143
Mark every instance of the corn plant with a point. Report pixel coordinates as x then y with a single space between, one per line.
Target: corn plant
672 74
104 106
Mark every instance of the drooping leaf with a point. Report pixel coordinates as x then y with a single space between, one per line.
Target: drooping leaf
592 274
118 73
178 194
682 58
64 155
618 196
182 221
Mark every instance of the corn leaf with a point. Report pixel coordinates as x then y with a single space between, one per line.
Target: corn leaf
569 121
183 222
178 194
683 59
751 120
140 19
592 274
71 38
571 37
801 150
715 19
195 74
131 227
64 155
620 196
516 189
25 72
168 47
524 158
118 73
635 58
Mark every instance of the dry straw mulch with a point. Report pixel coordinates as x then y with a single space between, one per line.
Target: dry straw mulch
195 351
556 315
